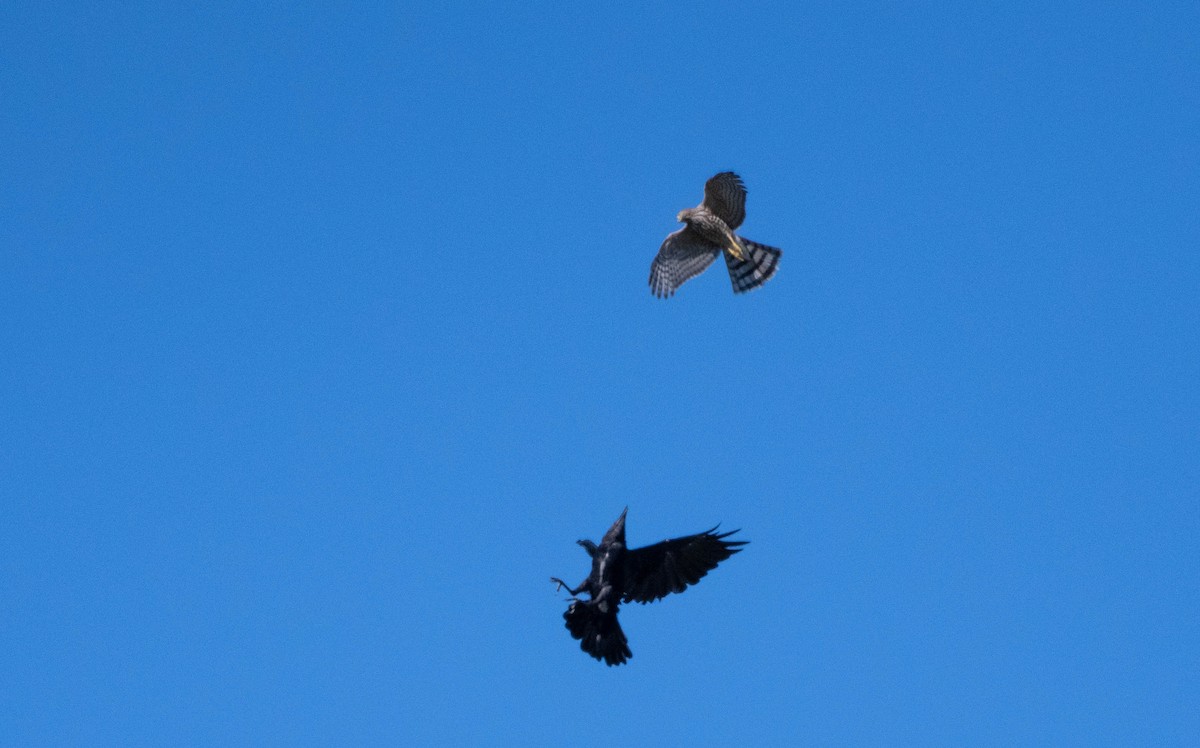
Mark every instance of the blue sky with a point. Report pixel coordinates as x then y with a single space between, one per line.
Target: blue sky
327 333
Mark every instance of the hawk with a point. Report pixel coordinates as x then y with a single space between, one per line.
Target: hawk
709 232
640 575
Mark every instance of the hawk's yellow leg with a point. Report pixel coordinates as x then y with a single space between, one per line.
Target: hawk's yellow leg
735 247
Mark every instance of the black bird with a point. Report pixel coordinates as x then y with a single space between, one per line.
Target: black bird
641 575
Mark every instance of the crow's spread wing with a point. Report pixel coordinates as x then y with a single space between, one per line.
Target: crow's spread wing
657 570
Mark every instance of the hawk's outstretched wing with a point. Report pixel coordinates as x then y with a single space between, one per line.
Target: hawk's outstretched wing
683 255
657 570
725 197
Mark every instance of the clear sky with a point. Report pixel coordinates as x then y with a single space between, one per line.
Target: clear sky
327 332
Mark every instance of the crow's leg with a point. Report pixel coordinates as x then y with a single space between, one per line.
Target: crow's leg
560 584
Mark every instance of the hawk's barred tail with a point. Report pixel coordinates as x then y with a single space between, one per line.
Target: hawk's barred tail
758 267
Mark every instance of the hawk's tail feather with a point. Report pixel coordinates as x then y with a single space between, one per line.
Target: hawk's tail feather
759 265
598 632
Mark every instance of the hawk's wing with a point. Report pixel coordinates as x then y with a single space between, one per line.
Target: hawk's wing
725 196
683 255
657 570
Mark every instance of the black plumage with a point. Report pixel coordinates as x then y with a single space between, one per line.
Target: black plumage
640 575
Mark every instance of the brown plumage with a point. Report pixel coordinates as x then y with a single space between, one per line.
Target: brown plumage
709 231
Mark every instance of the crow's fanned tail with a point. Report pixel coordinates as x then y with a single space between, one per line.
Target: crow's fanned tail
599 633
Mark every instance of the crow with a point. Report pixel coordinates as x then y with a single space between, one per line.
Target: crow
641 575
